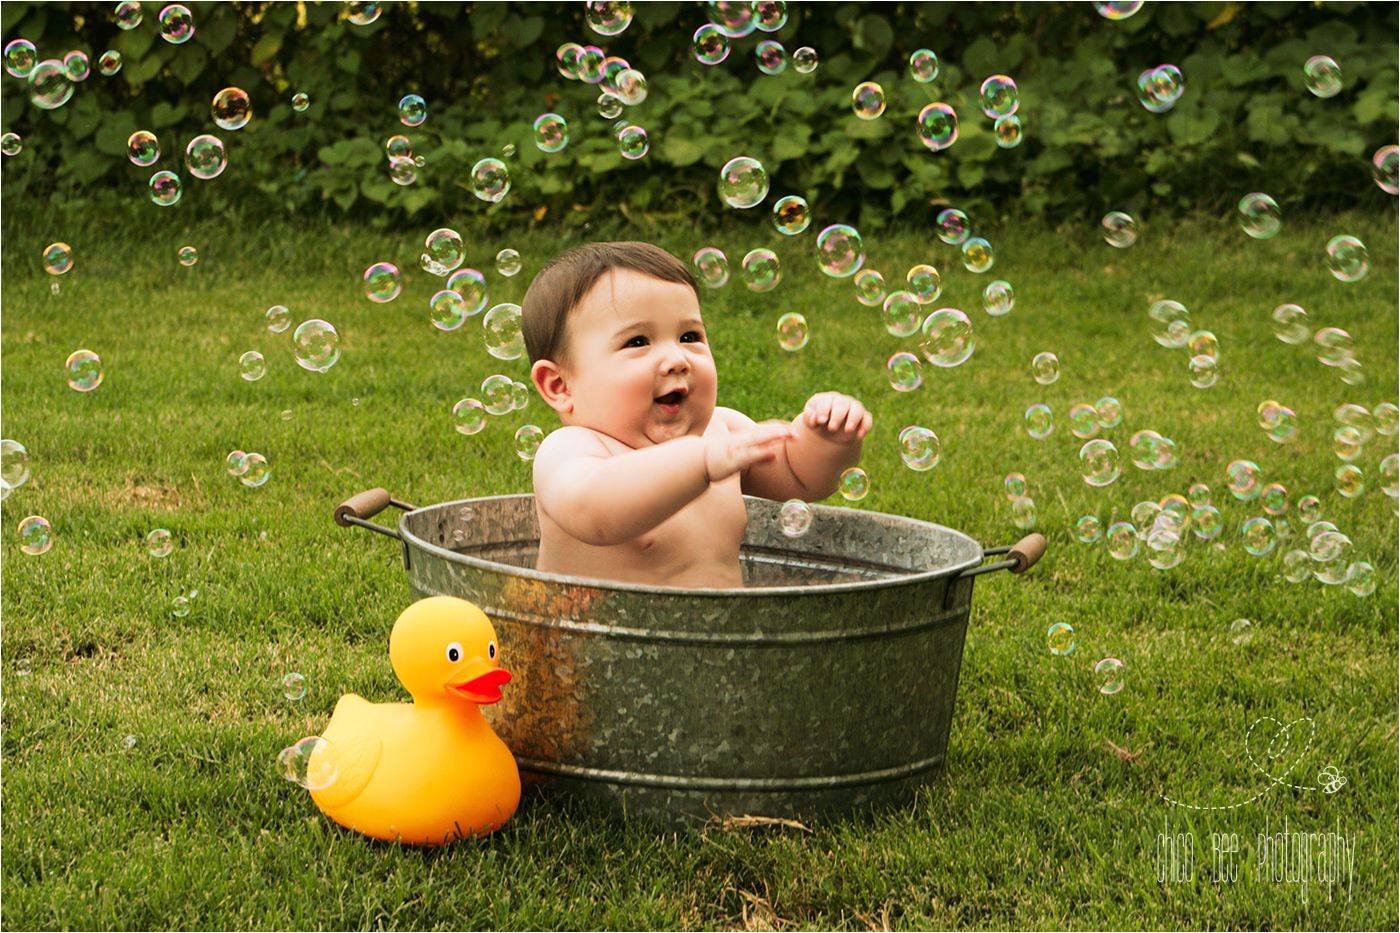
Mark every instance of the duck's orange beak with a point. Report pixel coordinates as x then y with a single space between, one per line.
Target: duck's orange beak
481 684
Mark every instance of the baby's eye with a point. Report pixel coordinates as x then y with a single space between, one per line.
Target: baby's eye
694 336
637 341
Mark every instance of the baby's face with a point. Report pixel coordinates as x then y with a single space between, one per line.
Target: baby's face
640 368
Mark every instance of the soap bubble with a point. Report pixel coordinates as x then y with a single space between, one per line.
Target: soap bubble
1059 638
805 60
1015 485
1291 324
413 110
1350 481
762 271
527 441
499 392
294 686
868 100
919 448
1259 536
1083 420
316 345
840 250
1045 368
1109 672
948 339
508 263
1198 495
792 331
58 258
794 518
925 283
1000 96
236 462
1324 76
1274 498
165 188
937 126
870 288
606 17
187 255
159 543
504 339
362 12
1109 412
1361 579
711 44
278 318
180 609
1119 229
1297 566
176 24
1123 542
1385 169
591 64
609 106
490 180
403 171
443 251
310 763
84 370
1244 479
1118 9
854 484
1023 514
711 267
977 255
901 314
1346 443
231 109
1279 422
1160 88
953 226
998 298
551 132
771 56
1207 522
923 66
109 62
11 144
446 310
735 17
1040 422
382 282
20 57
743 182
1260 215
791 215
905 371
520 396
1171 323
35 535
770 15
49 86
1389 471
14 466
632 142
468 416
1203 371
1334 346
256 471
205 157
251 366
77 66
1347 258
1309 508
1387 417
1008 132
398 146
1088 529
300 101
1098 462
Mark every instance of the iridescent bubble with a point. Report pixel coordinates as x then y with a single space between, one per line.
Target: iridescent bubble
977 255
1119 229
311 762
607 17
1000 97
1281 424
278 318
1088 529
1244 479
551 132
854 484
901 314
1203 371
58 258
1045 368
1109 673
840 250
413 110
735 17
1356 416
1323 75
519 396
1171 323
504 339
176 24
398 146
1109 412
468 416
1310 508
937 126
743 182
609 106
1274 498
508 263
180 609
953 226
256 471
1385 169
1023 514
35 535
771 57
805 60
1389 470
632 142
187 255
1198 495
868 100
925 283
236 462
1387 418
84 370
499 392
1350 481
870 288
792 331
14 466
1258 536
1098 462
527 441
711 44
294 686
446 310
382 282
362 12
762 271
1297 566
301 101
165 188
906 373
490 180
998 298
1160 88
1346 443
11 144
77 66
1040 422
49 86
948 339
591 63
443 251
232 108
1015 486
1059 638
791 215
1083 420
316 345
1334 346
1241 631
794 518
711 267
205 157
1008 132
1143 444
770 15
1361 579
109 63
923 65
1207 522
919 448
1260 215
1123 541
1291 324
1117 9
20 57
1347 258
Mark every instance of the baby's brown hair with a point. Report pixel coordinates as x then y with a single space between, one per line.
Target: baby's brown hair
565 279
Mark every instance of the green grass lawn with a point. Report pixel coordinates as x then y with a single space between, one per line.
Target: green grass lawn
1038 821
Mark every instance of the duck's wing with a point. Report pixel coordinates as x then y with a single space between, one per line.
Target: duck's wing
353 753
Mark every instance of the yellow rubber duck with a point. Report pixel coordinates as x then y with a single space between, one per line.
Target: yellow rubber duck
430 771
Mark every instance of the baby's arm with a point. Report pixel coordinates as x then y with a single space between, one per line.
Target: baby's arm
827 440
604 499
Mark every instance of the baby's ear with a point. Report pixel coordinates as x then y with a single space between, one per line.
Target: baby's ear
550 383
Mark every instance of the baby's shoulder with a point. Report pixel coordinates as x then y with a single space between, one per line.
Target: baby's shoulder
572 441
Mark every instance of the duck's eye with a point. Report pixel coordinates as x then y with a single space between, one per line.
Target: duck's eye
491 649
454 652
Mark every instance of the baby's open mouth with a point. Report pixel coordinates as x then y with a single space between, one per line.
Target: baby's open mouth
670 398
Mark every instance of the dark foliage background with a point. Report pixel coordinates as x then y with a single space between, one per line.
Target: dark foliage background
1245 122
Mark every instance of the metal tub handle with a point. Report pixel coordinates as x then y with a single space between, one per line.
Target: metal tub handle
1021 556
359 508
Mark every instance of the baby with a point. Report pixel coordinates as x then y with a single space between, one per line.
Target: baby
643 483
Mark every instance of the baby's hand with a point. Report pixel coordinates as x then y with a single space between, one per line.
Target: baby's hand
727 454
836 417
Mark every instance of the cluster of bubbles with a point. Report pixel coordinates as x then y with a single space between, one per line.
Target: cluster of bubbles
499 395
249 468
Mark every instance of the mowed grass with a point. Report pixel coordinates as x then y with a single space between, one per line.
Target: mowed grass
1039 819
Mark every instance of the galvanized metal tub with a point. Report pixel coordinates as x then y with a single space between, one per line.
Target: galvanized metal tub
824 685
